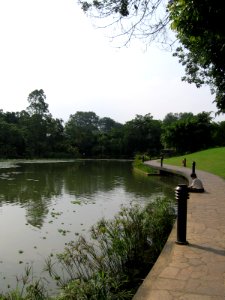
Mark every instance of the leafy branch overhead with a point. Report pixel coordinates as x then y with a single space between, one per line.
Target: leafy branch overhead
197 25
199 29
136 18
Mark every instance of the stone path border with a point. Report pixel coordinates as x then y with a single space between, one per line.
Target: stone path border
195 271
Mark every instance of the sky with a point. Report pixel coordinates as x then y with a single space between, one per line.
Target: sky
52 45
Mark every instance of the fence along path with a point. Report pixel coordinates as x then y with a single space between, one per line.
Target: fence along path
195 271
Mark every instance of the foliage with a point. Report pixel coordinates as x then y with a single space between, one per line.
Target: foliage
139 164
218 133
143 19
34 133
198 28
84 120
210 160
142 134
111 264
121 252
28 288
93 136
97 289
11 140
107 124
81 131
171 118
189 133
197 25
37 102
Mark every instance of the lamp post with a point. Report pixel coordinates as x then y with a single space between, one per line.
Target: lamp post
182 195
193 167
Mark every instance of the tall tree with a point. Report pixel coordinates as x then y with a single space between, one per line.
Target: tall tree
109 139
37 102
107 124
189 134
86 120
37 124
81 131
142 134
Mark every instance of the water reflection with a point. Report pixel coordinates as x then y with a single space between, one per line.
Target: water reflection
34 186
43 206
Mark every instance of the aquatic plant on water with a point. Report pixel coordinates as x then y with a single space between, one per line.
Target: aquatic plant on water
118 255
28 288
112 262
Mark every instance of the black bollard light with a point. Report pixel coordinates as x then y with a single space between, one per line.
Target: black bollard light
161 161
184 161
193 167
182 195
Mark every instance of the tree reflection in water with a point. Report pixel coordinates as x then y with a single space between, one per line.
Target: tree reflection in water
43 206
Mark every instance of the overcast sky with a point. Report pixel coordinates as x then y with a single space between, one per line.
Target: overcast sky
52 45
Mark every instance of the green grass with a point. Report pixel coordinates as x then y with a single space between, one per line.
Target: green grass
140 166
211 160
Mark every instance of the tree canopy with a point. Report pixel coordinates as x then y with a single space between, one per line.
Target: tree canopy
197 25
37 103
34 133
199 29
188 132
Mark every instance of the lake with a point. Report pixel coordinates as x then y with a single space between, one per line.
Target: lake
44 205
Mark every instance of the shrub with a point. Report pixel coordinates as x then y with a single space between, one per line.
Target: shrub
119 254
111 263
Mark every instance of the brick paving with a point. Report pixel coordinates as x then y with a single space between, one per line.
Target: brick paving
195 271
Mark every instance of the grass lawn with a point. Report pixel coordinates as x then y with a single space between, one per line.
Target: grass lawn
211 160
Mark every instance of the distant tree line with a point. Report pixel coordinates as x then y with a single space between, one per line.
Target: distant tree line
34 133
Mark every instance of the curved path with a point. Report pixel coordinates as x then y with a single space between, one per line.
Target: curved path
195 271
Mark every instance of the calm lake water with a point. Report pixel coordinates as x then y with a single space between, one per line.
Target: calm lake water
44 205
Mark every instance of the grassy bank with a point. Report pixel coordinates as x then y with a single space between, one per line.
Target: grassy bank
211 160
138 165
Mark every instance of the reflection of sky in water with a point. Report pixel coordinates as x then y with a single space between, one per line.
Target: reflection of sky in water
41 211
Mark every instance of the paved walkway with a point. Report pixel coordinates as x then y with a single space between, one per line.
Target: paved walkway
195 271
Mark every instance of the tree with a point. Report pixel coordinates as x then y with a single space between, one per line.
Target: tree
12 143
86 120
11 140
197 25
81 131
219 134
55 137
37 102
170 118
131 18
189 134
107 124
37 124
142 134
110 139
